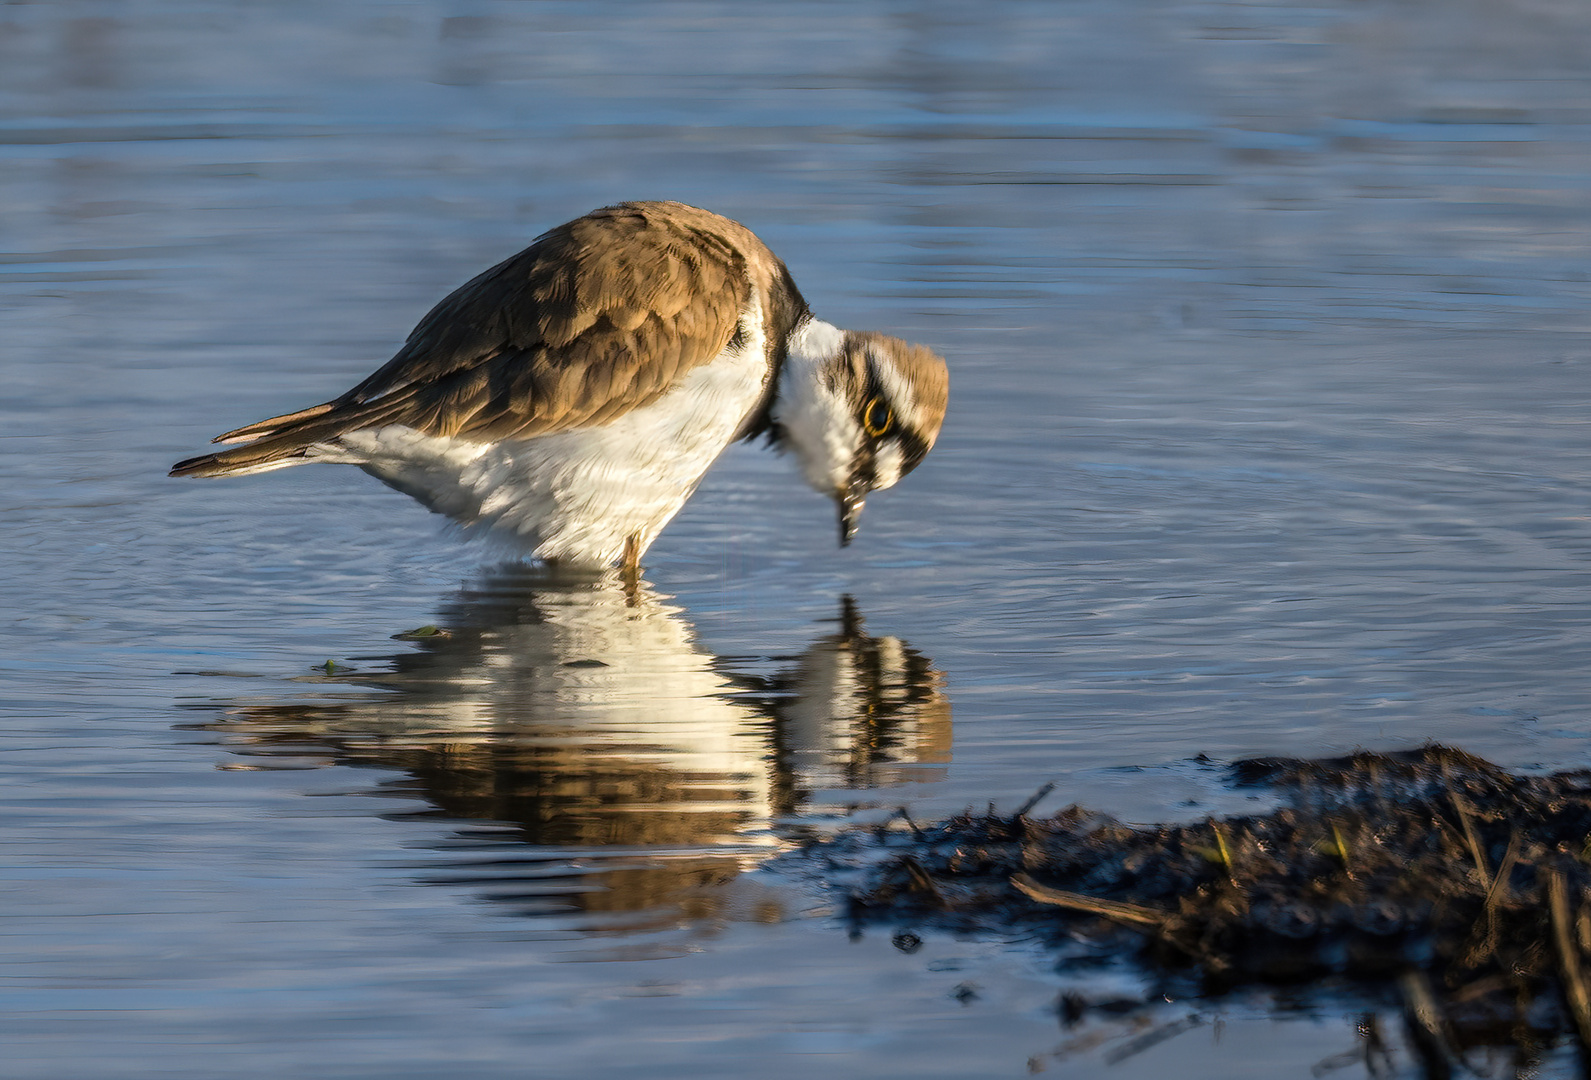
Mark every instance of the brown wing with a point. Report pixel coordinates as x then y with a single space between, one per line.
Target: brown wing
597 317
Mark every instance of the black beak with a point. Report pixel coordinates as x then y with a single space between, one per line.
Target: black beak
850 503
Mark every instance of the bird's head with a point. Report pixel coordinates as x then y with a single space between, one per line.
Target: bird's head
859 410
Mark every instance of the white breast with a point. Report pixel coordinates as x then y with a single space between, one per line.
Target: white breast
575 497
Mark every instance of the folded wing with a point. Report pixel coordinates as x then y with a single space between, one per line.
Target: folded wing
597 317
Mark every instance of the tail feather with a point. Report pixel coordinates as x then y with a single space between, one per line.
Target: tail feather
231 463
250 432
438 407
291 439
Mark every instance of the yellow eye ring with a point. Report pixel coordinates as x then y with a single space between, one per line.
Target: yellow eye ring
877 418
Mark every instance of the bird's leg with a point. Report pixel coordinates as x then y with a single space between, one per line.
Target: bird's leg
630 568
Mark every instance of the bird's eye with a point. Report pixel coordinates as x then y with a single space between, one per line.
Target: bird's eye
877 418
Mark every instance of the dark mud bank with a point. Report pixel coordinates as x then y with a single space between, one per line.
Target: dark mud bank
1432 876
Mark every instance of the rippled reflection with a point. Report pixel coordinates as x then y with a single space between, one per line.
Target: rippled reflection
582 716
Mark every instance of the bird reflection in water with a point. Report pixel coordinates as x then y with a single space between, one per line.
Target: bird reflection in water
622 767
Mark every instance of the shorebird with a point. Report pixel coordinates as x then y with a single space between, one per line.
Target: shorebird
573 395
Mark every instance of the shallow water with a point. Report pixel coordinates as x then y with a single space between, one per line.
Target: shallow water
1267 328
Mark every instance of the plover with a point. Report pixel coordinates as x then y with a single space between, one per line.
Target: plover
573 395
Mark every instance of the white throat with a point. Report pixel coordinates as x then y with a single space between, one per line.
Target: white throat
812 408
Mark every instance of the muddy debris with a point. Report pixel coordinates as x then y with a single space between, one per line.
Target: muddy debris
1459 888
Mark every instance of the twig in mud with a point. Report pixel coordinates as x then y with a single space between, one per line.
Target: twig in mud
920 879
1334 1062
905 815
1139 1043
1427 1027
1134 914
1342 847
1224 851
1574 985
1093 1040
1498 893
1470 836
1378 1056
1033 800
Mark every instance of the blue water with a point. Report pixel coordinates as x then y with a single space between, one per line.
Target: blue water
1268 336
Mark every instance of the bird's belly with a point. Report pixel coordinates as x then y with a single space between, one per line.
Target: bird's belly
578 497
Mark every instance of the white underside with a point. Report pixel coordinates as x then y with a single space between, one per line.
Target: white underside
576 497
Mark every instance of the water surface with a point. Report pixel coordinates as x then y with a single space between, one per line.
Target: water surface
1267 328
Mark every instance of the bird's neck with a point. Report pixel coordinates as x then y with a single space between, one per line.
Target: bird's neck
811 411
815 342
